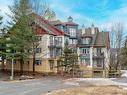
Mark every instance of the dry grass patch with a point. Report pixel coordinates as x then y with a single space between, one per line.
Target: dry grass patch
102 90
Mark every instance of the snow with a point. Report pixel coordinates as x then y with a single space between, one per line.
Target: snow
124 73
97 81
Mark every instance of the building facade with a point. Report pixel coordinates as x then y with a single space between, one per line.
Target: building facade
91 45
94 48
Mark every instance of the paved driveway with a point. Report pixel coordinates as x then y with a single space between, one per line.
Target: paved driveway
34 87
45 85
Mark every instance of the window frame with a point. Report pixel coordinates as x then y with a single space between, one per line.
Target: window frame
38 50
72 32
38 62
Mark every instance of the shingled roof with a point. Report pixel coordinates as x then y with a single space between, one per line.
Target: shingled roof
98 38
102 39
88 32
56 22
47 27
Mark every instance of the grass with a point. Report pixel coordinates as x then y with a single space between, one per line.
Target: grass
101 90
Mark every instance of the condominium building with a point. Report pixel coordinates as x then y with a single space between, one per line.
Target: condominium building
91 45
94 50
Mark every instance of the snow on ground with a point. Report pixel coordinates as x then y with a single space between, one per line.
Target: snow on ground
97 81
124 73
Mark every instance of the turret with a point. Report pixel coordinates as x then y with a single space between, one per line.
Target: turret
70 19
92 29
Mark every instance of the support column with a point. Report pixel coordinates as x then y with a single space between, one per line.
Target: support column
91 56
78 52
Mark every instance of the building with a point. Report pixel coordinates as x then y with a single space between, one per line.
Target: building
94 51
91 45
69 28
51 42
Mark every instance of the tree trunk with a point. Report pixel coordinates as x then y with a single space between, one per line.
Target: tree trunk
2 65
33 62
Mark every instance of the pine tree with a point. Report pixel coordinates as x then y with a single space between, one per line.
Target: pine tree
20 31
69 60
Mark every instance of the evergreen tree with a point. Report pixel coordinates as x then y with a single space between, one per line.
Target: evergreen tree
21 31
69 60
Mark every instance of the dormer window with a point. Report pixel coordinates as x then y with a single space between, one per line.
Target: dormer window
72 32
86 40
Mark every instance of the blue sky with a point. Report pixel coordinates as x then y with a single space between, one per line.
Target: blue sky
100 12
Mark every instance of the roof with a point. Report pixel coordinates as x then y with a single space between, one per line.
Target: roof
102 39
70 23
45 26
87 32
56 22
98 38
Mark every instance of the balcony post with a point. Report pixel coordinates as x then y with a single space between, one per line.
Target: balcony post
91 56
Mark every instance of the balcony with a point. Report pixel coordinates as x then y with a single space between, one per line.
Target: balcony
73 45
98 55
84 45
58 44
52 45
86 56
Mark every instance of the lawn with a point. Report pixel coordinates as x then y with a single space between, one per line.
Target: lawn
101 90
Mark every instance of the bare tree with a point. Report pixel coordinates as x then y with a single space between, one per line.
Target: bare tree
42 8
116 38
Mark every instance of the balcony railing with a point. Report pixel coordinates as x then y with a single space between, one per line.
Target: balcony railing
87 56
56 44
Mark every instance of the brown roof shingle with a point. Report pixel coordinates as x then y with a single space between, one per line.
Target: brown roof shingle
102 39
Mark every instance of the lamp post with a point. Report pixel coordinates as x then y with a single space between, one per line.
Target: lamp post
12 68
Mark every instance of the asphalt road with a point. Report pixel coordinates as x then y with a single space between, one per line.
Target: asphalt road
34 87
45 85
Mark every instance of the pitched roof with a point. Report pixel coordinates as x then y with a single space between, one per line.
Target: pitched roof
88 32
70 23
102 39
49 28
56 22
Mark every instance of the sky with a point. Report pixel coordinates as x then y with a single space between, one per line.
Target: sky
101 13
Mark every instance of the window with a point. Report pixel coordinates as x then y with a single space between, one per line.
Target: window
51 40
85 62
51 52
14 61
38 62
86 41
38 50
58 52
51 62
98 50
28 62
99 63
58 40
73 41
72 32
85 50
39 38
